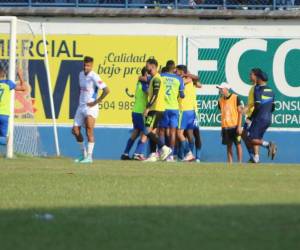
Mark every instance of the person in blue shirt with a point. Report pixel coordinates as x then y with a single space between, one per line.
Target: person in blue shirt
261 118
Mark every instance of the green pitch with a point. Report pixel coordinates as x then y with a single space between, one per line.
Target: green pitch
131 205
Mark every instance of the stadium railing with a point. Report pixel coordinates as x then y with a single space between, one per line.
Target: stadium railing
169 4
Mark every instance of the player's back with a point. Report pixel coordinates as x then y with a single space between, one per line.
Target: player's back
173 84
141 98
188 102
264 95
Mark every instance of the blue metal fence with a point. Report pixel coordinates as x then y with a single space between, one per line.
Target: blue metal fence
170 4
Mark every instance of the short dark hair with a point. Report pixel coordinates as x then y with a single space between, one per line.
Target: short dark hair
258 73
152 61
182 67
144 71
170 64
88 59
164 70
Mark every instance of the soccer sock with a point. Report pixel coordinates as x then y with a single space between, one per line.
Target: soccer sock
162 139
82 148
250 152
152 146
186 148
192 145
129 145
3 140
265 144
173 151
90 148
198 153
140 149
155 139
181 150
256 158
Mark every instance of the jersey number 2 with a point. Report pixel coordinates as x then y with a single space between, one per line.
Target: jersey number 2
168 90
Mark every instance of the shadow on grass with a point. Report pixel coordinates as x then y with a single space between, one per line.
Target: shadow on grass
195 227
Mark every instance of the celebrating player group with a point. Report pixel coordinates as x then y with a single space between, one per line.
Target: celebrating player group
165 115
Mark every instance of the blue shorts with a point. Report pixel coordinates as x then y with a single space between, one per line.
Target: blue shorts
138 121
187 119
170 119
258 129
3 125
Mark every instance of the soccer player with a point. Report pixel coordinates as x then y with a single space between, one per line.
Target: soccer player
174 87
255 74
88 109
231 119
187 115
155 108
261 118
5 96
140 102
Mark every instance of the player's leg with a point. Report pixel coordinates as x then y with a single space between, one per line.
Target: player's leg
256 134
151 124
229 153
89 126
189 130
237 141
137 121
140 148
173 125
3 129
198 143
76 131
183 146
247 142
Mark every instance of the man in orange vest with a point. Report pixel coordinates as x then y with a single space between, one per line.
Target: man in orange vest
231 116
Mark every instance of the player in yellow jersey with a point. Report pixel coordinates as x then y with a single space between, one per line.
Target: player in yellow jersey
6 86
155 108
174 87
187 115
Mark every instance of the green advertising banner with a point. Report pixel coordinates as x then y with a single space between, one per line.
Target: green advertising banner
230 60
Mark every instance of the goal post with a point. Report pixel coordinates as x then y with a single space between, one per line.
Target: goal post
17 38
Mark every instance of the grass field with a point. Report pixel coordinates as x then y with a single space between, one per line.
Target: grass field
132 205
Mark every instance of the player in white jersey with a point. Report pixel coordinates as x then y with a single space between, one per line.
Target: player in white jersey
88 109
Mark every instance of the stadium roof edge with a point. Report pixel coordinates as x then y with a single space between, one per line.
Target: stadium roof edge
178 13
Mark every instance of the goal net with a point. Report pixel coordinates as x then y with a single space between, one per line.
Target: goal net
16 42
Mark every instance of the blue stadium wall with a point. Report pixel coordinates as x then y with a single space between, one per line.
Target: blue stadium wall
110 143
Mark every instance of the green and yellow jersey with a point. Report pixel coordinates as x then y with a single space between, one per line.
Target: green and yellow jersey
173 86
156 84
141 98
5 94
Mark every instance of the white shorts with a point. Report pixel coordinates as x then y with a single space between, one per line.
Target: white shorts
83 112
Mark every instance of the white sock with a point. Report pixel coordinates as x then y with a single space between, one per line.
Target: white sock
256 158
90 148
265 144
82 148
